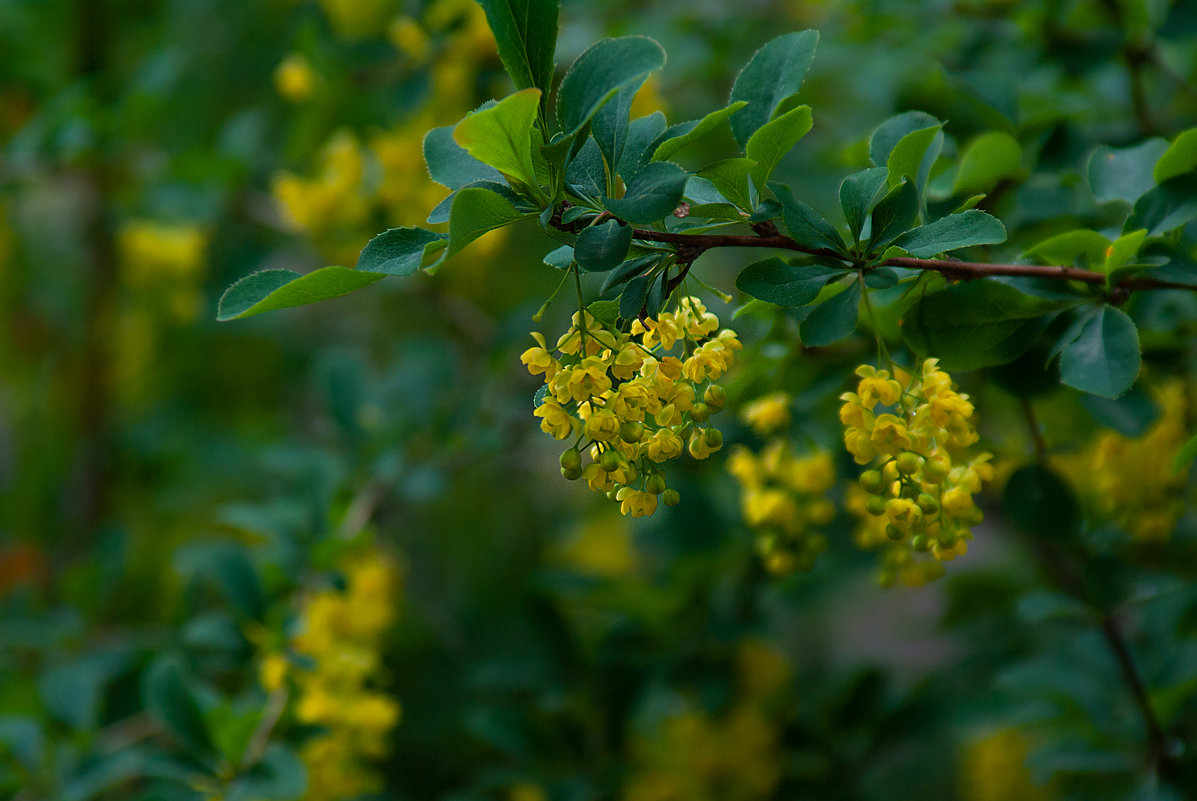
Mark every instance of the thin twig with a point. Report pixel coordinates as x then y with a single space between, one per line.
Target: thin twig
1134 681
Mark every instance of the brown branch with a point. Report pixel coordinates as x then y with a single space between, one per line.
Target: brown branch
1134 681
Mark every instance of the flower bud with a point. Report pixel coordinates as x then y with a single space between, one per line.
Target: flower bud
713 437
871 481
571 460
655 484
908 463
671 497
715 397
631 431
610 460
572 474
700 412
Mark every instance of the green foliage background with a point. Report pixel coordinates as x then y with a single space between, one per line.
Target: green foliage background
172 489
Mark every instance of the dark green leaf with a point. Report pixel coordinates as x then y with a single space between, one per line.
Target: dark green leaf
833 319
602 70
1082 245
652 194
561 258
1041 504
632 299
628 270
585 174
610 125
399 251
238 581
962 230
1165 207
605 311
73 691
1124 173
477 211
893 216
805 225
450 165
773 74
976 324
1104 357
988 160
881 277
643 133
278 776
1131 415
858 193
655 298
603 247
268 290
775 281
773 140
170 700
526 34
685 134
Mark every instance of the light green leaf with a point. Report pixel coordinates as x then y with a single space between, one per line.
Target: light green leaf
914 155
268 290
833 319
602 70
1104 357
890 132
1064 249
526 34
1185 456
1179 158
475 212
1124 173
962 230
773 140
774 74
806 226
858 194
730 178
987 160
603 247
778 282
501 135
399 251
1122 249
450 165
652 194
687 133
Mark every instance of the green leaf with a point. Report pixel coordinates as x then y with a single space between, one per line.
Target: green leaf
1165 207
561 258
806 226
730 178
278 776
475 212
976 324
1122 250
526 34
170 700
603 247
230 569
988 160
1041 504
631 301
1066 248
628 270
643 135
1104 357
890 132
1185 456
955 231
833 319
1179 158
859 192
450 165
440 213
914 155
1124 173
599 73
1132 415
268 290
73 692
604 311
685 134
773 74
893 216
773 140
399 251
652 194
501 135
610 125
586 175
776 281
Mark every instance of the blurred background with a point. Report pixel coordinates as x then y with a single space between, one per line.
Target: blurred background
326 553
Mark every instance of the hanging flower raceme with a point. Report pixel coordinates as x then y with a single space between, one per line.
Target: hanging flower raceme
629 403
782 498
912 432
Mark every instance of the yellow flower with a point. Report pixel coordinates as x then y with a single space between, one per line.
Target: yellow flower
877 387
294 78
539 360
635 502
408 38
890 435
768 414
555 421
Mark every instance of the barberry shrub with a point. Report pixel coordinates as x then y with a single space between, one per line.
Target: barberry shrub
919 276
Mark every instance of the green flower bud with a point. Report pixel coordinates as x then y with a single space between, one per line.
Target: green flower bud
927 503
893 532
571 460
920 543
655 484
671 497
875 505
908 463
573 474
610 460
700 413
631 431
715 397
871 481
713 437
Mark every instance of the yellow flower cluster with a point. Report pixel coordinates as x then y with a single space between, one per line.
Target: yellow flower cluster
629 403
696 756
295 79
912 431
782 499
342 632
993 768
1132 480
768 414
358 19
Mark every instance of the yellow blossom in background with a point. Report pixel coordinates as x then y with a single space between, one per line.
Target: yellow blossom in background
1131 480
153 253
768 414
409 38
294 78
649 98
335 677
993 768
358 19
333 196
600 546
